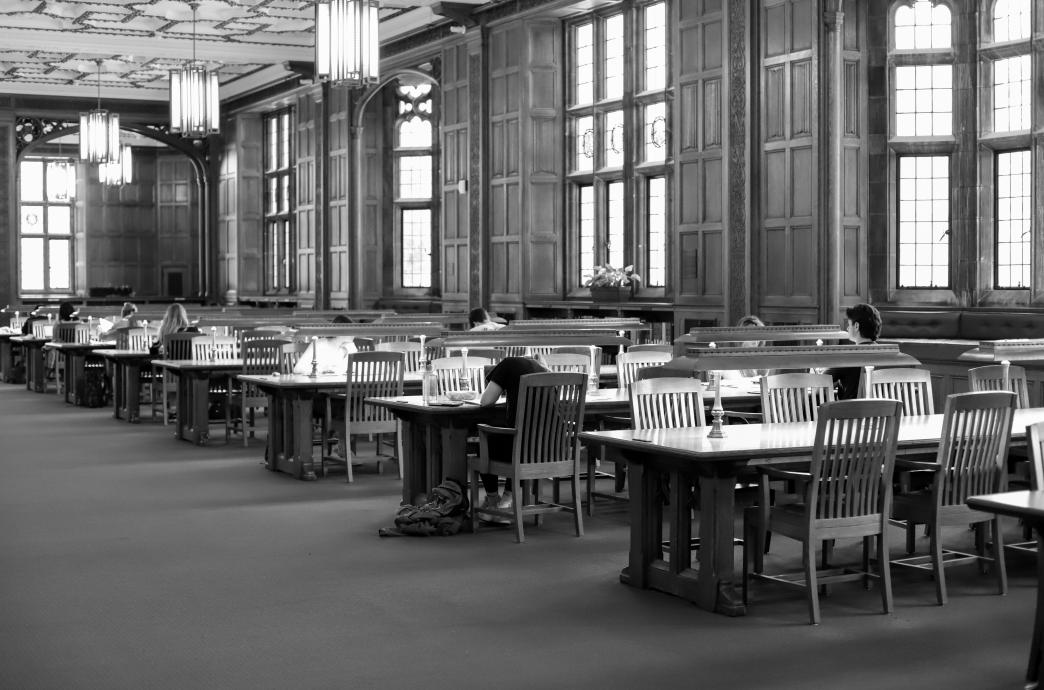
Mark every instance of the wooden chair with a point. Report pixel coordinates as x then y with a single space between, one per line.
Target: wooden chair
218 348
566 362
491 353
43 329
787 398
138 339
1035 480
410 350
545 445
847 492
629 363
991 378
259 357
970 461
67 333
448 370
370 374
175 346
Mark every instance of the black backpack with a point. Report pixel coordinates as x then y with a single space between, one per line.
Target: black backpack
443 515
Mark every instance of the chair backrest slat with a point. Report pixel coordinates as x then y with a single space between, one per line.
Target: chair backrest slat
447 371
566 362
371 375
974 444
912 387
410 350
629 363
549 414
853 459
991 378
667 403
795 397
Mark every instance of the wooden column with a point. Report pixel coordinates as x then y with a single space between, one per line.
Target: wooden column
742 124
478 163
832 239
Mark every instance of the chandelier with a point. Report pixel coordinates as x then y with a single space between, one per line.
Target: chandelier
346 41
119 171
99 132
194 105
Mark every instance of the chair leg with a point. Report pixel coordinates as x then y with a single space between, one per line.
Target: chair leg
750 545
517 505
884 569
809 557
349 477
591 469
998 557
866 562
980 546
578 507
475 480
761 535
911 537
937 564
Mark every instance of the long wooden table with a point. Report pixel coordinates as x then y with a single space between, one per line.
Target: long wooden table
290 403
688 456
193 422
7 358
435 436
127 366
1028 506
74 359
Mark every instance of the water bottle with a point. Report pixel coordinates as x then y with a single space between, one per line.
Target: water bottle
428 383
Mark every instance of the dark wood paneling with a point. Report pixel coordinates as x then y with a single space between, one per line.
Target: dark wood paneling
249 204
338 209
306 188
455 155
504 183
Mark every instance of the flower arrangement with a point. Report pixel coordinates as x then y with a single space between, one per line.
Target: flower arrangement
607 276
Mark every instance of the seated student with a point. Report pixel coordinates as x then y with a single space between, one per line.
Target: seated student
504 378
34 315
67 311
125 321
864 327
175 320
481 320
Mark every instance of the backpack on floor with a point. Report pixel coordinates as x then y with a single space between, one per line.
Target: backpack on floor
91 387
443 515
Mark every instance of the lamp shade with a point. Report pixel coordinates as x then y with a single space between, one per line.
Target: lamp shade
194 103
347 42
99 136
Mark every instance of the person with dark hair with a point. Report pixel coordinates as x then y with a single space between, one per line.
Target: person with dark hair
343 318
67 311
864 327
505 378
481 321
34 315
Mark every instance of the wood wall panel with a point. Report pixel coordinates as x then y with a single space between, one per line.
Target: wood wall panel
698 196
226 243
249 203
788 242
505 181
855 284
338 178
377 264
305 190
454 128
177 225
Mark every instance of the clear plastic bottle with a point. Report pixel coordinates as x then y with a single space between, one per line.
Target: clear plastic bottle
428 383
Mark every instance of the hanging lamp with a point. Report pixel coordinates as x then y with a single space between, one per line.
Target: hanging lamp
194 104
346 41
118 172
99 132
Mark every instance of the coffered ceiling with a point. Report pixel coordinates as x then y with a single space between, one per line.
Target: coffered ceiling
55 47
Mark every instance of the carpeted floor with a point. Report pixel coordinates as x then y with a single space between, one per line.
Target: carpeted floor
131 560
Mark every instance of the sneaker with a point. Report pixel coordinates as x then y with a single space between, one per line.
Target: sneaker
494 502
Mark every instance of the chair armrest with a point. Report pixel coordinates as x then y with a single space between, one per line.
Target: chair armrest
485 429
792 475
904 464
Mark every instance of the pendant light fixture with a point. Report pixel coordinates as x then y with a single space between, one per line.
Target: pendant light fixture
99 132
346 41
194 104
118 172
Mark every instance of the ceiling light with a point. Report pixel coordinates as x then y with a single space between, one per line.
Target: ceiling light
347 42
120 171
99 132
194 105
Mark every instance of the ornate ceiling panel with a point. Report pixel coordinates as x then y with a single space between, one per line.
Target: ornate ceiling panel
51 46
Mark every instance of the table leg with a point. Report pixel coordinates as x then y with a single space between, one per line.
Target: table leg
681 523
646 515
199 411
37 379
717 587
415 463
1036 657
74 368
274 449
132 392
301 419
454 455
118 392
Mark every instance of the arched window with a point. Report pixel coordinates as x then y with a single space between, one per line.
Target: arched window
1011 20
922 66
414 183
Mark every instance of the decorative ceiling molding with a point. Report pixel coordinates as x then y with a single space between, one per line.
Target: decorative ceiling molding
139 41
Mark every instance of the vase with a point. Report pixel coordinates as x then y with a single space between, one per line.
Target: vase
611 293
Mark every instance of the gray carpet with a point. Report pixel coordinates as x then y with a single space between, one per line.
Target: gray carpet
129 559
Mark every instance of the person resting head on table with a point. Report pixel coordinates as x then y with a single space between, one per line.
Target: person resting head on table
746 321
864 328
504 379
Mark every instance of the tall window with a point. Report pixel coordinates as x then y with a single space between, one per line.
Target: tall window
279 219
1006 66
617 127
414 186
45 226
921 57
